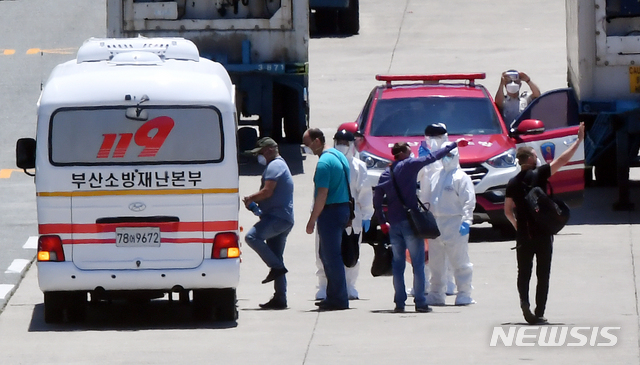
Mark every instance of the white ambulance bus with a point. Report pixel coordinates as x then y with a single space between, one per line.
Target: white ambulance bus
136 179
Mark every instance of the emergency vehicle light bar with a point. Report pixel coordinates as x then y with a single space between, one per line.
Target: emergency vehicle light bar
426 78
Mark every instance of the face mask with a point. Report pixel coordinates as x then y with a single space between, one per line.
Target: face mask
262 160
307 150
449 163
436 142
342 148
512 88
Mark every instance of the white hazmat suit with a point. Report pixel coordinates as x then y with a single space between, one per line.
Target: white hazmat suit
362 193
424 177
452 198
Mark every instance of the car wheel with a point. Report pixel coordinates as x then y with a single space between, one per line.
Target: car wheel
202 305
76 304
225 303
53 307
349 18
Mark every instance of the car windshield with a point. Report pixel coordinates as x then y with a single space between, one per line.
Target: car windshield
410 116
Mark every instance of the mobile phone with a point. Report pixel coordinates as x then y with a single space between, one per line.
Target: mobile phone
513 75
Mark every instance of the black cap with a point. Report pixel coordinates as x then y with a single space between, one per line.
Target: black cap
437 129
343 135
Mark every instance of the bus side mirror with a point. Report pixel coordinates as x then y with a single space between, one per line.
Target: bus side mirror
26 153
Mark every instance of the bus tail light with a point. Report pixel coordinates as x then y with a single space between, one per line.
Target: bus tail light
50 248
225 246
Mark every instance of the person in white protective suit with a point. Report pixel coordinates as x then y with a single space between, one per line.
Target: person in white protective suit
362 193
452 197
435 136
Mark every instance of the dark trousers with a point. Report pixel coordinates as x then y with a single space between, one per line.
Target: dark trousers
541 248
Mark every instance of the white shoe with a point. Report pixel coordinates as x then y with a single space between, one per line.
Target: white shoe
410 292
353 294
321 294
451 288
435 300
463 299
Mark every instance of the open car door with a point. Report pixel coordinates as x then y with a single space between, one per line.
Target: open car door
558 111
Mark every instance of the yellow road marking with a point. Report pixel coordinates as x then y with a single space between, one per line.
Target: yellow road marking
68 50
6 173
8 52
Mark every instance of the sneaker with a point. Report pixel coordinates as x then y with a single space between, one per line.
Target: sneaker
398 309
274 274
423 309
274 304
528 316
353 294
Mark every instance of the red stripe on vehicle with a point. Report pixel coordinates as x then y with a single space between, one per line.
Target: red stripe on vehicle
68 228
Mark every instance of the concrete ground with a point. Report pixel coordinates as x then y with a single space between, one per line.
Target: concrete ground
593 284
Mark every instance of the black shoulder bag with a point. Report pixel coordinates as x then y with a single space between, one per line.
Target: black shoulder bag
421 219
549 214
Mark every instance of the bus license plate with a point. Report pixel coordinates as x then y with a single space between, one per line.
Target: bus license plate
138 237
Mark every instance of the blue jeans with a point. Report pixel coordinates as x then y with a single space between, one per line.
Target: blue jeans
267 238
331 223
402 238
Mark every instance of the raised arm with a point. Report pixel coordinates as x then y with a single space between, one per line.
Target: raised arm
564 158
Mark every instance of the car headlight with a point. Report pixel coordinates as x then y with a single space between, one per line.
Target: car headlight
504 160
373 161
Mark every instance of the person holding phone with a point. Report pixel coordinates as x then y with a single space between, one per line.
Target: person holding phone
514 102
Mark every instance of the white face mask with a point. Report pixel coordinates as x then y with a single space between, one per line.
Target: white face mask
307 150
262 160
436 142
450 161
512 88
342 148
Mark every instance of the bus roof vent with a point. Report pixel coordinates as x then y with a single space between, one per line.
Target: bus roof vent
105 49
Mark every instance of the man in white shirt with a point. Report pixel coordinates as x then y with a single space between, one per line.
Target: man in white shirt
514 102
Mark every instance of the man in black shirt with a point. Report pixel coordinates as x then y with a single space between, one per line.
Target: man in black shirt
529 241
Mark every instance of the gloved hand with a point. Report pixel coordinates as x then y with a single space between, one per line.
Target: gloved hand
464 229
384 227
462 142
366 224
423 150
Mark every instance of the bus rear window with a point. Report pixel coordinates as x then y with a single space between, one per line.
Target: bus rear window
105 136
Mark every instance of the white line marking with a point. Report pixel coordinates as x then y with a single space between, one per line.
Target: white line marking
32 243
17 266
4 290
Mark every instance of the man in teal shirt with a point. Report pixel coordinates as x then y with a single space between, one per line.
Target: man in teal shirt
331 212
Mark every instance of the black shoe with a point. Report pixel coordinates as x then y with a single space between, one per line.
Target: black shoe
398 309
528 316
324 306
541 320
274 304
274 274
423 309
